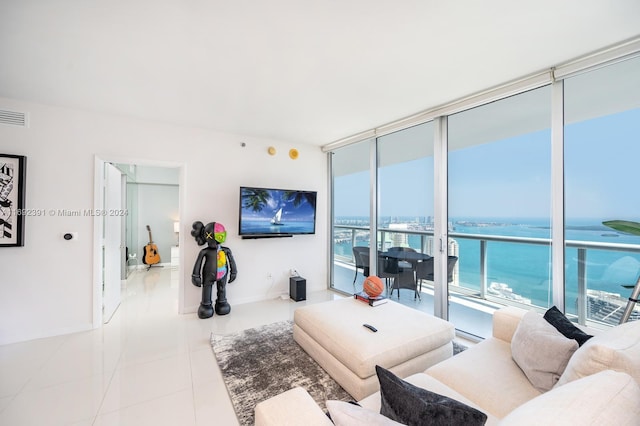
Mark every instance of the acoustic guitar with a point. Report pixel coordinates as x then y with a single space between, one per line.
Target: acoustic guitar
151 256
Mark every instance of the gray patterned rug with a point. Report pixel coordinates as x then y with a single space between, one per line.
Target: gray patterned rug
262 362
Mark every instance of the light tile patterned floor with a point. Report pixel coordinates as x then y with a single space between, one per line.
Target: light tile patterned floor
148 366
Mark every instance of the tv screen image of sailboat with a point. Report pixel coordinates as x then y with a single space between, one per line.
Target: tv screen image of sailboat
276 211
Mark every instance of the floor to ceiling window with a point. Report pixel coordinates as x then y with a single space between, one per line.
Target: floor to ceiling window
521 187
602 148
405 205
499 186
351 200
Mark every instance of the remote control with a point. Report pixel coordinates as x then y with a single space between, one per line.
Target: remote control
370 327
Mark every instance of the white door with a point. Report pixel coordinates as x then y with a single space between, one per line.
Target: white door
112 249
123 228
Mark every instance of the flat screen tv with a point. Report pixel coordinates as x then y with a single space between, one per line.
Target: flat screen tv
270 212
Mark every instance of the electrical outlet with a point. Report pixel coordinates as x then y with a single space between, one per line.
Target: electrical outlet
70 236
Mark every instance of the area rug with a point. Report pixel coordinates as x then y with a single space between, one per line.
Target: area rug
262 362
457 348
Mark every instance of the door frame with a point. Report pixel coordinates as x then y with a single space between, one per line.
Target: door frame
112 289
98 226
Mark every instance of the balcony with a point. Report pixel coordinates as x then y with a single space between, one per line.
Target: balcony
595 273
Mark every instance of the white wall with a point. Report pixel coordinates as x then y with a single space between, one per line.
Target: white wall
46 287
157 207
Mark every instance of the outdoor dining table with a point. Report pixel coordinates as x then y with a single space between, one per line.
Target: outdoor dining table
412 258
409 256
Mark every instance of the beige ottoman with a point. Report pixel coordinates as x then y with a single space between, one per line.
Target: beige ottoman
407 341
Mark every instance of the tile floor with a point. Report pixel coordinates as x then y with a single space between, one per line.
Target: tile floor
147 366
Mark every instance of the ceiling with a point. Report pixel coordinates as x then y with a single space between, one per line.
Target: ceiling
298 71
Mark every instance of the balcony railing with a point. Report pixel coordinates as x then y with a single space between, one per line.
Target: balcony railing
360 235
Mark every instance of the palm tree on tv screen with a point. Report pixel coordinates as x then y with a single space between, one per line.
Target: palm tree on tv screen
255 199
299 198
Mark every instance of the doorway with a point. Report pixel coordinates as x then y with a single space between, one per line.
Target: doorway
148 212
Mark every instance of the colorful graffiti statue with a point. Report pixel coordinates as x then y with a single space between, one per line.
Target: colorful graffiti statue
214 265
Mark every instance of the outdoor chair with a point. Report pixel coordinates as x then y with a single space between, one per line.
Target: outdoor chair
387 268
424 270
404 272
360 264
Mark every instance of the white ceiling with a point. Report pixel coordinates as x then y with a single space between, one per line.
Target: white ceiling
300 71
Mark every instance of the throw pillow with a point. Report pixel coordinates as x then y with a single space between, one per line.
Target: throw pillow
617 348
564 326
410 405
347 414
541 351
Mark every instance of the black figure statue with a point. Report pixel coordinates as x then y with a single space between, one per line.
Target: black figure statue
218 265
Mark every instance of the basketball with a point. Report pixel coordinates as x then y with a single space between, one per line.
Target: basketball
373 286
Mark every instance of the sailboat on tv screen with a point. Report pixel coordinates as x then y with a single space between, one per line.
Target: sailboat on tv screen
276 219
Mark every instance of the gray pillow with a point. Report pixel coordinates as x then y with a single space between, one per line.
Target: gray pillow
410 405
541 351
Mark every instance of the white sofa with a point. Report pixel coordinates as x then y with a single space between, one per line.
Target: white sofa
599 385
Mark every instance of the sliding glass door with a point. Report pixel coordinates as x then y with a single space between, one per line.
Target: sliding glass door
405 207
499 206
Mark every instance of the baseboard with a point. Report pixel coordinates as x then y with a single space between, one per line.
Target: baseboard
6 340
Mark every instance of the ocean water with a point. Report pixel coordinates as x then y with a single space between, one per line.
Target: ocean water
265 227
526 268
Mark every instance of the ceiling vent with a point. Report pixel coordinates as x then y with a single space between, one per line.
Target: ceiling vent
13 118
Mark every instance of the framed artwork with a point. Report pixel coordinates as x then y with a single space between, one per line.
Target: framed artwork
12 182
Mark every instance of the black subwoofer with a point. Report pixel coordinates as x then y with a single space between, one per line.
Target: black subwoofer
298 288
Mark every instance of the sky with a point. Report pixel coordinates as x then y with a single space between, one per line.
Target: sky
512 177
303 211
